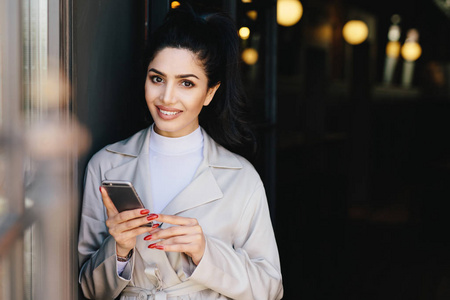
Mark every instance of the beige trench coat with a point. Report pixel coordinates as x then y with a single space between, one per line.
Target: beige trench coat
228 199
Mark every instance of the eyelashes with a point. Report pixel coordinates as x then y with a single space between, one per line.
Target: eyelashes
156 79
187 83
184 83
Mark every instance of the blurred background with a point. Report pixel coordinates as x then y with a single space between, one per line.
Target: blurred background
350 102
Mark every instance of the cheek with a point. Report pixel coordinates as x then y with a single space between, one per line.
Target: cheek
149 92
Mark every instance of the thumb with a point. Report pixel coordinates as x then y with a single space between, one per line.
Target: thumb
111 209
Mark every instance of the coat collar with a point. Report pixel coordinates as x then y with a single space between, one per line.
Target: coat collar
203 188
213 153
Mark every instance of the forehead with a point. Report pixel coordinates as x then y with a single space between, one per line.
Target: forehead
177 61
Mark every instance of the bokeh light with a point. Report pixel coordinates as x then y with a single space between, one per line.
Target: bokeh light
250 56
393 49
175 4
411 51
289 12
252 14
355 32
244 33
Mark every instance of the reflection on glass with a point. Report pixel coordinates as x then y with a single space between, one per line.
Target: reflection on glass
35 73
35 56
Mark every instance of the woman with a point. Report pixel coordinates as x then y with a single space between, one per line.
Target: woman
216 240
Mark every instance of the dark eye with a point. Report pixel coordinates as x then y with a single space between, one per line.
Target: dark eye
156 79
187 84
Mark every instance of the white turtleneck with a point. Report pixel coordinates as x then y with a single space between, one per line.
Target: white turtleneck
173 163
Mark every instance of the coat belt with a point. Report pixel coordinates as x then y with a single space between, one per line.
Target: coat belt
180 289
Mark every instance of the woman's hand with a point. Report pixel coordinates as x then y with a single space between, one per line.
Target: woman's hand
187 237
125 226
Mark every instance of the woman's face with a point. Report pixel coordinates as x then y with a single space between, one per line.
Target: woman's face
176 89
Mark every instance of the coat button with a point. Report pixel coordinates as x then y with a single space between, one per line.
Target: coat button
142 296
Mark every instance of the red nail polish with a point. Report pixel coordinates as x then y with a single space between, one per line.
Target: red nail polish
160 247
100 188
155 226
148 237
152 246
152 217
144 211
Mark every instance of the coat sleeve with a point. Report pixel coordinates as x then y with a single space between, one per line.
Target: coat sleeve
251 268
96 248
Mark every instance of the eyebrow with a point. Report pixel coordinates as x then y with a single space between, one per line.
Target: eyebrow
177 76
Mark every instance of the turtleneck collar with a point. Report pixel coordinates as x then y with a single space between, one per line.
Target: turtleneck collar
176 146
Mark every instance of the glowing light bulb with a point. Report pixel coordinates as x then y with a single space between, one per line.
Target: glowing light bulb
289 12
355 32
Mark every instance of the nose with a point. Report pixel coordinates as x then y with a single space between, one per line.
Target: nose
168 94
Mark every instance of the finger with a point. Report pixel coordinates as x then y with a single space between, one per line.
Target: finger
177 220
182 240
127 220
183 248
127 215
129 234
177 231
111 209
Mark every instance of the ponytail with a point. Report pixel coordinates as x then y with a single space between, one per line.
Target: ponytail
226 118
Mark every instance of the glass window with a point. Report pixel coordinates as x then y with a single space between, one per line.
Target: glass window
38 203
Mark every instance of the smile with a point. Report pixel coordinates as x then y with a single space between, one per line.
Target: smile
169 113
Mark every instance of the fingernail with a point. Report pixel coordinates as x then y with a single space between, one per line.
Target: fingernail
152 217
100 188
160 247
148 237
155 226
144 211
152 246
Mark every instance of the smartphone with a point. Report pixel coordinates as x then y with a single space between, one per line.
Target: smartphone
122 194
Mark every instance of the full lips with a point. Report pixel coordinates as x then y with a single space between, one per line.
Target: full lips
171 114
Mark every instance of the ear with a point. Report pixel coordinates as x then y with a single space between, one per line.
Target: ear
210 94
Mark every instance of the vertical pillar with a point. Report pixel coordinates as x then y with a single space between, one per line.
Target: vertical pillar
229 6
271 104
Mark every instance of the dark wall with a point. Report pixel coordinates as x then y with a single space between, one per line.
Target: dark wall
108 77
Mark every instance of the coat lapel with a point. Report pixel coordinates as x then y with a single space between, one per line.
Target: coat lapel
136 170
204 187
201 190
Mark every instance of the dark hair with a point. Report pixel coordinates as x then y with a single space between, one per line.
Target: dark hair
214 40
